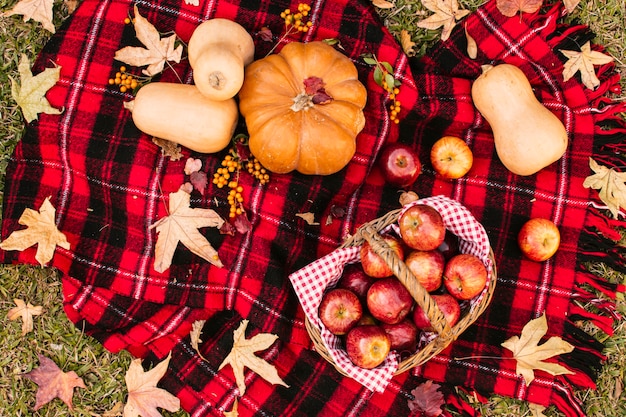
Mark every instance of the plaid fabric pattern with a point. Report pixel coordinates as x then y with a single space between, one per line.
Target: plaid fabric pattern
109 183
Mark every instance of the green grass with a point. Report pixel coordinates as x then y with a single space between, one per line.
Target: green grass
103 372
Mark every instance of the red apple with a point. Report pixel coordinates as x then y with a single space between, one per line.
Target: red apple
448 305
451 157
539 239
427 266
403 335
356 280
340 310
450 245
367 346
388 300
465 276
373 264
367 318
399 164
421 227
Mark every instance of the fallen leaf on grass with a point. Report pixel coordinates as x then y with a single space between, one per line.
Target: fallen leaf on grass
570 5
143 395
383 4
530 355
583 61
38 10
26 312
53 383
181 225
406 43
243 356
510 8
71 5
41 231
427 400
611 186
447 12
537 409
30 93
157 51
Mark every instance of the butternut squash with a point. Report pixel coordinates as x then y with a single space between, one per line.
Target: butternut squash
528 137
181 114
218 50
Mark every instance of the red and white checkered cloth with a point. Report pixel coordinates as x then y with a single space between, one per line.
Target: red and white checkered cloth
313 280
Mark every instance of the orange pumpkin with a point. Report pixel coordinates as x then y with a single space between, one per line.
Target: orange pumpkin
303 108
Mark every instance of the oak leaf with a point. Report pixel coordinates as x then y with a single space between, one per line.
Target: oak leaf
242 356
611 186
530 355
427 400
144 397
181 225
447 12
53 383
510 8
168 148
41 231
157 51
30 93
26 312
583 61
38 10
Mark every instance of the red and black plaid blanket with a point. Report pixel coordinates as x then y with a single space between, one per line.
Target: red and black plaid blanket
109 184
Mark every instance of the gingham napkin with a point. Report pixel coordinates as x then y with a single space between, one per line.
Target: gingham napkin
311 282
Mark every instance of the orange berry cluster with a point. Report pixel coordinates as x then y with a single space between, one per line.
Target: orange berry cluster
124 80
296 20
396 105
227 175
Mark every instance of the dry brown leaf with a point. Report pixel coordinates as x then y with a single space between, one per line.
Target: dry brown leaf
583 61
308 217
181 225
116 411
169 148
38 10
41 230
196 332
242 356
570 5
611 186
383 4
70 5
472 46
143 395
510 8
233 412
427 400
447 12
537 409
157 51
53 383
26 312
406 43
530 355
30 93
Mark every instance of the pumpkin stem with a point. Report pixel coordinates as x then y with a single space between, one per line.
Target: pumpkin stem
302 101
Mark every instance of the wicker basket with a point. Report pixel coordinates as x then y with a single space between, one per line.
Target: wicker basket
444 334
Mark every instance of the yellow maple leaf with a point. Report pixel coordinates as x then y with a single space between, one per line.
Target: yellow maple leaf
530 355
181 225
41 231
242 356
143 394
447 12
38 10
157 51
30 93
26 312
583 61
611 186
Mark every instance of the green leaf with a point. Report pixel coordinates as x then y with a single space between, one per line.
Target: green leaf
378 76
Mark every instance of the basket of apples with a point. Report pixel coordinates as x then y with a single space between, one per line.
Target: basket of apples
398 291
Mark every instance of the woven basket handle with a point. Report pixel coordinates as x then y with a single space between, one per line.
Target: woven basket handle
406 277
